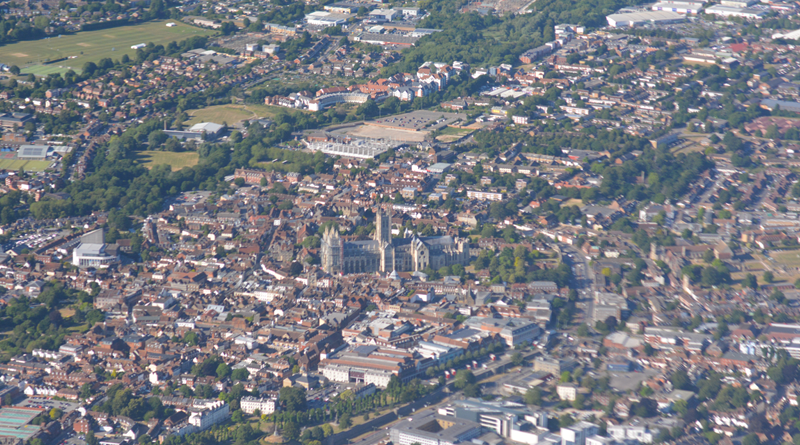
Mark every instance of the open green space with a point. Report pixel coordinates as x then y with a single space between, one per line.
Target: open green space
448 131
27 165
231 113
450 134
176 161
789 258
91 46
219 114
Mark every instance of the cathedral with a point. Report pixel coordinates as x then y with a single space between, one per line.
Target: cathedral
384 254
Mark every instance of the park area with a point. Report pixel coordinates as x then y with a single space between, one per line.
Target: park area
231 114
91 46
176 161
25 164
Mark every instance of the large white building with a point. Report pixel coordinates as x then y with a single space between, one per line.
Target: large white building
345 374
681 7
732 11
251 404
430 428
325 18
636 18
577 433
441 353
353 148
624 433
92 251
507 419
209 415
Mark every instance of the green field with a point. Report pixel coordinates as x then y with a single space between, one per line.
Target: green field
789 258
231 113
91 46
219 114
29 166
177 161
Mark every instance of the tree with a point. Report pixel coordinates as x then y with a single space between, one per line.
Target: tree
90 439
463 378
579 401
89 68
680 407
768 277
41 22
86 391
533 396
751 439
55 413
223 371
708 256
345 421
472 390
583 330
646 408
517 359
290 430
156 139
292 399
750 281
240 374
611 323
722 330
680 380
14 70
295 269
237 416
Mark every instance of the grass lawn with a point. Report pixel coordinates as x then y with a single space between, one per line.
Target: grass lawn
91 46
67 312
450 134
789 258
219 114
231 113
454 131
29 166
83 328
175 160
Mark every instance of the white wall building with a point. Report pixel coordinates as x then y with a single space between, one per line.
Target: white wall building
577 433
251 404
210 415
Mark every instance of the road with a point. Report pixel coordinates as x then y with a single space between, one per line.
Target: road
584 280
373 438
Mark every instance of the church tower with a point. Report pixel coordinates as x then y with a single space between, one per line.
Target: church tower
383 227
383 235
331 251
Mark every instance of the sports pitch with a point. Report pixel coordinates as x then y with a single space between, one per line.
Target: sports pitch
30 166
91 46
176 161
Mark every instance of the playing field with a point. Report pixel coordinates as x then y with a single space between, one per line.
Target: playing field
231 113
175 160
788 258
91 46
29 166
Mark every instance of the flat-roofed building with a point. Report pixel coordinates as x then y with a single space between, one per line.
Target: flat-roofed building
368 364
430 428
94 252
782 332
39 152
636 18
